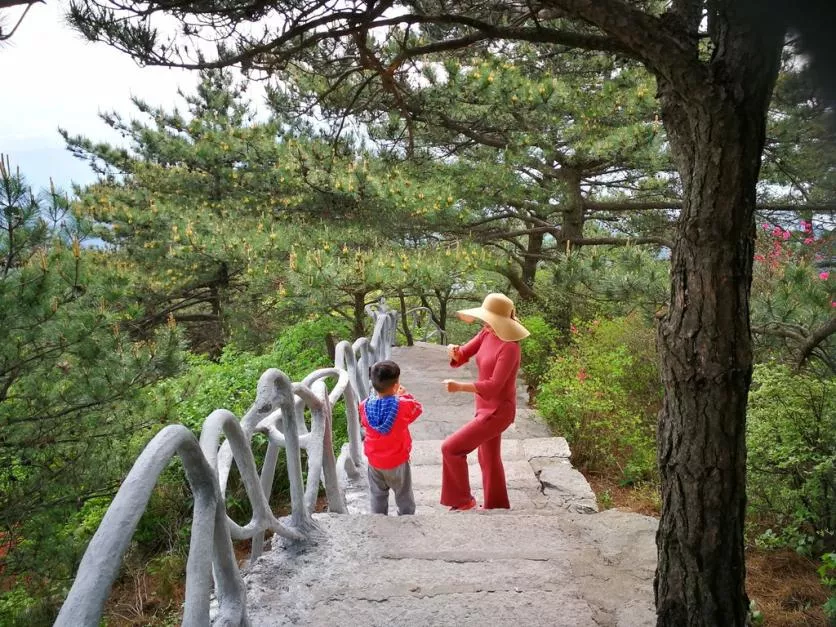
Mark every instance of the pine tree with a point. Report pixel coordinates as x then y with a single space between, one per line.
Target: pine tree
68 374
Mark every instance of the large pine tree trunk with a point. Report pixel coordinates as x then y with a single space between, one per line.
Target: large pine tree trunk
529 266
716 130
359 311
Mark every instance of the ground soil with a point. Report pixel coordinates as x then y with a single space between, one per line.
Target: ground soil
783 584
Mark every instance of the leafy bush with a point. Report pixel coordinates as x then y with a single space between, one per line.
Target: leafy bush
538 348
827 572
792 458
603 394
230 382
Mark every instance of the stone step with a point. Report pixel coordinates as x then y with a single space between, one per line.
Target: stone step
518 474
537 472
427 452
466 568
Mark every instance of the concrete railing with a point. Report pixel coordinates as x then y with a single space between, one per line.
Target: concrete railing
279 412
421 318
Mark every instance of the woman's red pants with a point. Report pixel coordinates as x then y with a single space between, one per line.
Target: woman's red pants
484 433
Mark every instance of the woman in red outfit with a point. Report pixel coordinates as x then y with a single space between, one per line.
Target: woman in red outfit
497 351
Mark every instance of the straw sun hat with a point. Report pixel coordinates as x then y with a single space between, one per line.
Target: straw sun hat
498 311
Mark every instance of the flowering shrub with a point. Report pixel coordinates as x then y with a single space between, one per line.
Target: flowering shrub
603 395
792 294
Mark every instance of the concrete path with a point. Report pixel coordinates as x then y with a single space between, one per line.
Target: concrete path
550 560
537 466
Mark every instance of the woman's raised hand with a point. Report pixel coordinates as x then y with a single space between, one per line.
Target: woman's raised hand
453 351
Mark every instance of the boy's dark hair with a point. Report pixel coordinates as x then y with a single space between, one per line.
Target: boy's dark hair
384 374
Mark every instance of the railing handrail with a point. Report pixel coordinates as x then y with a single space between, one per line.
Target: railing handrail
412 314
279 413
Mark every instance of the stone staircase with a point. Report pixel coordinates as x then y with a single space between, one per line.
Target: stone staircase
550 560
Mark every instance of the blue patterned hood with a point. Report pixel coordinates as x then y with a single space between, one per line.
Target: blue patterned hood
381 413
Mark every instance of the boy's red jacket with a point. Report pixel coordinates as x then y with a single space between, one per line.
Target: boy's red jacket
388 442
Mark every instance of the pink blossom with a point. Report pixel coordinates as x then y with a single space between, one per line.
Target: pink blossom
824 276
760 258
809 240
582 376
573 328
807 226
777 231
785 234
765 226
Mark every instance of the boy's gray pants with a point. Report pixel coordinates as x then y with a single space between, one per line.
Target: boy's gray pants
399 480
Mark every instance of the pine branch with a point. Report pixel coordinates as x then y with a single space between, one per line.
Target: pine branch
814 340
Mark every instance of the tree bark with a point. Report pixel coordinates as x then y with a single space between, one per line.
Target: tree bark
570 230
572 227
331 346
410 341
518 283
443 299
359 311
716 128
529 266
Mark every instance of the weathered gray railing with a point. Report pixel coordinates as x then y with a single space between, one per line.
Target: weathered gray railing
279 413
430 327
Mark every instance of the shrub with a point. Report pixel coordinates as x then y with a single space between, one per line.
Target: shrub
827 572
603 395
791 435
230 382
538 349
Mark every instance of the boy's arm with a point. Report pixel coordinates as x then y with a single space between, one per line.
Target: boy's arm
409 408
363 419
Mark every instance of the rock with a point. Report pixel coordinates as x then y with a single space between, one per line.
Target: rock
564 482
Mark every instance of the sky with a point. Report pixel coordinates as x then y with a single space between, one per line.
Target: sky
50 77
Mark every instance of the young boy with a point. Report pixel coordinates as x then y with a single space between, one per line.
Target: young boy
386 416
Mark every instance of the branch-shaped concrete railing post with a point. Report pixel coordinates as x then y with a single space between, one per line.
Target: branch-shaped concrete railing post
278 412
430 330
209 539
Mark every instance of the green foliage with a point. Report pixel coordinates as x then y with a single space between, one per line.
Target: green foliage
190 208
71 378
19 607
827 572
538 349
230 382
230 223
792 458
793 293
800 146
603 393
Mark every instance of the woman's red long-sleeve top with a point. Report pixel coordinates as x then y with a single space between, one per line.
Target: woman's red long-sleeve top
498 362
